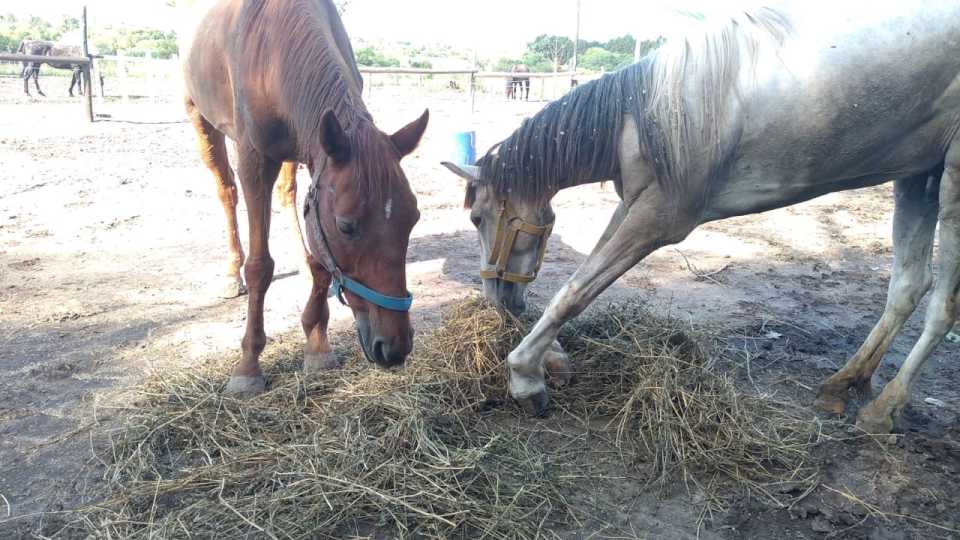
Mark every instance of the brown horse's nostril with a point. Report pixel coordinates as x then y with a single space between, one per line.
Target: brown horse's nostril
386 355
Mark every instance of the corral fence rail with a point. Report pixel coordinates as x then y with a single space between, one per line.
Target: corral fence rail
561 81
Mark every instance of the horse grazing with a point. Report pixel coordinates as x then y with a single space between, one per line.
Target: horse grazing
771 109
47 48
518 86
280 79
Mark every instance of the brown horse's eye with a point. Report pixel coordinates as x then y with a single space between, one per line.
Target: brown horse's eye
347 226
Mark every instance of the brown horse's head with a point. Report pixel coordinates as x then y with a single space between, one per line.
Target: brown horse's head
362 207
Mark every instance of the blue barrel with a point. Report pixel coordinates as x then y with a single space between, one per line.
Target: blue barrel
465 148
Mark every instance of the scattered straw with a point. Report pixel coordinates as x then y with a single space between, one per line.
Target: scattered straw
417 452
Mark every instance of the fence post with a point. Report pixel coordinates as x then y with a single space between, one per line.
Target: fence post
473 91
87 80
122 74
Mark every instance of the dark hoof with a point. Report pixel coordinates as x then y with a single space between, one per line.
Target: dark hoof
535 405
830 403
875 420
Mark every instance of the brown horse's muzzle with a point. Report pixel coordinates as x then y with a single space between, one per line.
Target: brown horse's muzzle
385 342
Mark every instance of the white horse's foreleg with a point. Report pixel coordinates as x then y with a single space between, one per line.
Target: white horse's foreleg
914 222
644 228
879 415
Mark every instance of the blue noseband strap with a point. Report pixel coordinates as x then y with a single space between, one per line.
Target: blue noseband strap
393 303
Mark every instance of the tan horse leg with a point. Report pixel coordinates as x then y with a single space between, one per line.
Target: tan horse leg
257 174
287 194
914 222
213 152
879 416
640 233
317 353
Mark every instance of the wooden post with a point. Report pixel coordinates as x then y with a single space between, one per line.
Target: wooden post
87 80
473 92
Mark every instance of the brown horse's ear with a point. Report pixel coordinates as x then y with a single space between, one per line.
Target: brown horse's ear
407 139
334 140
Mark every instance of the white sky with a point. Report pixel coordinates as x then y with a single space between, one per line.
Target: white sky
490 26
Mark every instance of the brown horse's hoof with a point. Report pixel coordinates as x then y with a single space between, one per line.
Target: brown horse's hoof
322 361
232 287
536 404
241 386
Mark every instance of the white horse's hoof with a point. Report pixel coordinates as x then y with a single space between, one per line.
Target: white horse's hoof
953 337
232 287
323 361
242 386
559 365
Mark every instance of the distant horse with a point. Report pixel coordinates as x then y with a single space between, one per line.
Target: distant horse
47 48
280 79
770 110
518 86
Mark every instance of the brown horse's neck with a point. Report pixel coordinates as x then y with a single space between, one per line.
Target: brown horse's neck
317 69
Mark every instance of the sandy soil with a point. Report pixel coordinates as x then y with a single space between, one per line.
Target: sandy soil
111 237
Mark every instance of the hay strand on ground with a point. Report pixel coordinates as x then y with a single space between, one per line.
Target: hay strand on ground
415 453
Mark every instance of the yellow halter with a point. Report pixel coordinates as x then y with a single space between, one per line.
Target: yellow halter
509 225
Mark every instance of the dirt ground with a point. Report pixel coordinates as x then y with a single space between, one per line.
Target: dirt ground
111 238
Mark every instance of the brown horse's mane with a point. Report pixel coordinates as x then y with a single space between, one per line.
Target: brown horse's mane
319 73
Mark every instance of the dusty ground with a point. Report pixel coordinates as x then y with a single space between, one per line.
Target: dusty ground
111 235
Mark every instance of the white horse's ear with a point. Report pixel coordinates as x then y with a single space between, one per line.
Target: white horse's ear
470 173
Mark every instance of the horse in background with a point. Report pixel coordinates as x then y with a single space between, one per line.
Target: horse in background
47 48
518 86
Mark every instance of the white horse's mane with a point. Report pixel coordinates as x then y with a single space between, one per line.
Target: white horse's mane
693 78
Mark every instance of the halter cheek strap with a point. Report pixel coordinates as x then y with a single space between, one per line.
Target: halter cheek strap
509 226
339 281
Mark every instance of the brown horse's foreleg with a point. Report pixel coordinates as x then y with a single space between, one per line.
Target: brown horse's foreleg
287 193
257 175
213 152
317 353
914 222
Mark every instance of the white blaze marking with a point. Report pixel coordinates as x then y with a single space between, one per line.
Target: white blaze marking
388 209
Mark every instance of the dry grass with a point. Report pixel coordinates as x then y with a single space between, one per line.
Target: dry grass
426 452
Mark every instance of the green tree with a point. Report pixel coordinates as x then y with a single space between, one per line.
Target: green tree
648 45
369 56
557 49
421 64
621 45
599 59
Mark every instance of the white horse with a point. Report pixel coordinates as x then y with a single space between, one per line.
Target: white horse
775 107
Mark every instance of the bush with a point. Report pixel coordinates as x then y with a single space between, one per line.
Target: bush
597 59
368 56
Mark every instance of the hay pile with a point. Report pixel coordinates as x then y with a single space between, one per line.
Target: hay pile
427 451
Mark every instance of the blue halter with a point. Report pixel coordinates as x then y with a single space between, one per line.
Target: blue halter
393 303
340 282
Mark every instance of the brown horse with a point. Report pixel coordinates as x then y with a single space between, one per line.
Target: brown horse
280 79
